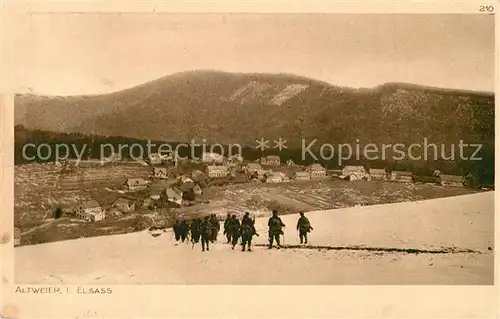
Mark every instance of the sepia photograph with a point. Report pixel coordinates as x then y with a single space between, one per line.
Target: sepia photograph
254 149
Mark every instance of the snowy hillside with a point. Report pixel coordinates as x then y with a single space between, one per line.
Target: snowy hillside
463 223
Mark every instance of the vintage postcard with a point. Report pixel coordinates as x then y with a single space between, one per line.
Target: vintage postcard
248 159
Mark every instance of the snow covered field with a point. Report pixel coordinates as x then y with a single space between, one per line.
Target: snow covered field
362 242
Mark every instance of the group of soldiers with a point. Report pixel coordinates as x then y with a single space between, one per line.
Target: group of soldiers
207 229
234 229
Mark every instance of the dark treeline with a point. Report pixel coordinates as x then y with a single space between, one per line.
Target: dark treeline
87 146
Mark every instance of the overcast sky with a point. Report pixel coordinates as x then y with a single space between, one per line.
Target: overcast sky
64 54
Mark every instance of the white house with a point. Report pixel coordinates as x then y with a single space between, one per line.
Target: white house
316 171
354 173
302 176
90 211
217 171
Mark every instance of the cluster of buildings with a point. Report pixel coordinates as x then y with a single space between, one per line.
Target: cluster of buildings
217 166
353 173
256 171
357 173
181 193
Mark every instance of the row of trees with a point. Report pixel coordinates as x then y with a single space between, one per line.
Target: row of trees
483 169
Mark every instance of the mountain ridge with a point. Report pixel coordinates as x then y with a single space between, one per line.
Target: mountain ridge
242 107
291 75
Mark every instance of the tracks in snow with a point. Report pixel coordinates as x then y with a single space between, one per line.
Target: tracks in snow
445 250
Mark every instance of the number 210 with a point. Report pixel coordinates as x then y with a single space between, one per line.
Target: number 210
486 8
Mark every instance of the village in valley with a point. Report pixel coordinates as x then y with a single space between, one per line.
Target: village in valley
86 198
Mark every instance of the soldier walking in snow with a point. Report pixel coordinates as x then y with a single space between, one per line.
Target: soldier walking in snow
226 224
206 233
304 227
247 232
245 217
233 229
195 231
177 231
183 230
275 225
215 227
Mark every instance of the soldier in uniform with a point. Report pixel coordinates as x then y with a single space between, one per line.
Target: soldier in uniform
304 227
234 230
184 230
275 225
247 232
206 233
226 224
215 227
245 217
177 230
195 231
